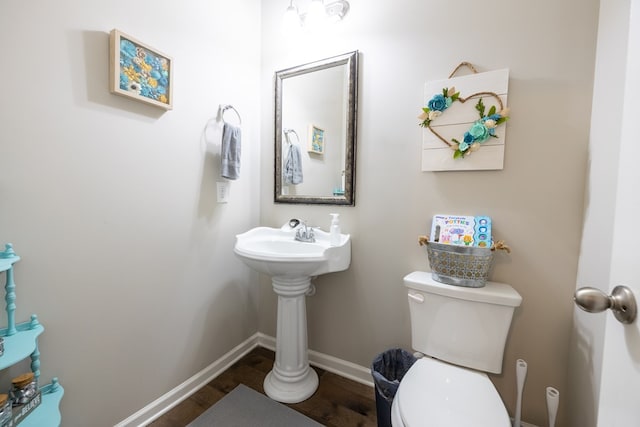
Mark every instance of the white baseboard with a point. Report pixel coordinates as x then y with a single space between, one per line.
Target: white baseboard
340 367
166 402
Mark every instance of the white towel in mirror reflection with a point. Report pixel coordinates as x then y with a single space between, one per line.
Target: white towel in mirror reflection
293 166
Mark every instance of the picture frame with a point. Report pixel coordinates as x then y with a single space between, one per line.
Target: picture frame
437 156
139 71
316 140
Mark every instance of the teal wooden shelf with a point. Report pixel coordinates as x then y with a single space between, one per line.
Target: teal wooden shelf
20 345
20 342
8 257
7 263
47 414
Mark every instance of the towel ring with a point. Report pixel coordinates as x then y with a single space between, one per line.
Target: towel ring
230 107
287 132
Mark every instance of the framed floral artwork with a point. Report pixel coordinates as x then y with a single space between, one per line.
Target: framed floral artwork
140 72
316 140
464 120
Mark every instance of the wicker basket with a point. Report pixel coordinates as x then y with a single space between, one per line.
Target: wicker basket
460 265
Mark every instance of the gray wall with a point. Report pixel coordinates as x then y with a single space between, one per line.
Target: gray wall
126 256
536 202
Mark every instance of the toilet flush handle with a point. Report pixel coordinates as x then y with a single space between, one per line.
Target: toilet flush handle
416 297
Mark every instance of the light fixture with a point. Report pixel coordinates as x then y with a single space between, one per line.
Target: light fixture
336 10
319 12
316 15
291 19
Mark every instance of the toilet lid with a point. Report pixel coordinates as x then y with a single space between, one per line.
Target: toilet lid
438 394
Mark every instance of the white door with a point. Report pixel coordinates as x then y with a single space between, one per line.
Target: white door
610 251
620 381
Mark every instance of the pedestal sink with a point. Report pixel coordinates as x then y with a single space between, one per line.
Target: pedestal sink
291 265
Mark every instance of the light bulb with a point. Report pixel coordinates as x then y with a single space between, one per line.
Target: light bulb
291 20
316 15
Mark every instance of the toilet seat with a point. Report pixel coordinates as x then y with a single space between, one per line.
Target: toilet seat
436 394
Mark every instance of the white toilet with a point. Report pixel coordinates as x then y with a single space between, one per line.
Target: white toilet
462 333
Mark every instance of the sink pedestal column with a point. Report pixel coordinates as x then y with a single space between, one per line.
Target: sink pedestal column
291 380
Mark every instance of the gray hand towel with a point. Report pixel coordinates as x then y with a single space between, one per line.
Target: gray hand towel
293 166
230 151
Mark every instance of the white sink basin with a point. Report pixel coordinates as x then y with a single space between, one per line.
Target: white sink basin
274 251
291 265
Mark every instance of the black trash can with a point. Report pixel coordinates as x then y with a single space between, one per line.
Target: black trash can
387 370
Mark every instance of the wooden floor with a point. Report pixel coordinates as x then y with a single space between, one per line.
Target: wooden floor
338 401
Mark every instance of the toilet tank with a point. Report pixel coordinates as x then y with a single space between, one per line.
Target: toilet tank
463 326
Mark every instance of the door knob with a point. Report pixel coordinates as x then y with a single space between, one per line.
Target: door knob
621 302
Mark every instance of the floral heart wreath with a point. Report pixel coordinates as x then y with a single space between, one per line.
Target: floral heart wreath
479 132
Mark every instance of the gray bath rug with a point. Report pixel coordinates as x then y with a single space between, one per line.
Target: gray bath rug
244 407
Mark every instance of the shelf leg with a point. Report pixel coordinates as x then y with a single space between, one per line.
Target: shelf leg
10 297
35 362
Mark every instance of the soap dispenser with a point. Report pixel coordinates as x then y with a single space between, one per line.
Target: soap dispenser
334 231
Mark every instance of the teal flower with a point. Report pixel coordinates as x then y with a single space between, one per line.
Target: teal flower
463 146
438 103
468 138
479 131
127 49
124 82
146 91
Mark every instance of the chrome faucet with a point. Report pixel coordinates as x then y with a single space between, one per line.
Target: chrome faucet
305 234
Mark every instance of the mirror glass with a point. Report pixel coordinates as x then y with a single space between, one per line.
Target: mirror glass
315 132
